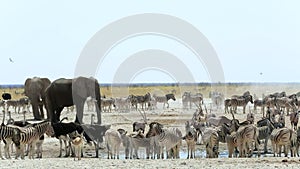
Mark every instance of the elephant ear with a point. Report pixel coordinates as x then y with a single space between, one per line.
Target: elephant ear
79 87
26 85
46 82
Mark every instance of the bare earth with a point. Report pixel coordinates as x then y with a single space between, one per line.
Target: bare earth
175 116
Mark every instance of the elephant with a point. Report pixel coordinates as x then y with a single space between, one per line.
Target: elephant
35 90
67 92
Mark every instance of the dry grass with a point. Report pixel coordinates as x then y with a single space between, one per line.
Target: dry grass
227 89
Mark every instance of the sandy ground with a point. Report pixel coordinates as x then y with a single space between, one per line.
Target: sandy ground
174 116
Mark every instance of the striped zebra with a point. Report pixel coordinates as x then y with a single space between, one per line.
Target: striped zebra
298 141
186 100
138 140
261 104
12 103
197 99
122 104
235 102
281 138
231 141
287 103
191 137
212 144
126 142
142 100
6 134
294 118
294 145
107 104
227 104
164 99
246 135
217 98
264 133
168 138
31 135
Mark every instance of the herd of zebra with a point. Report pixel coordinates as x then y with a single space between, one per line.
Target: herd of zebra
204 128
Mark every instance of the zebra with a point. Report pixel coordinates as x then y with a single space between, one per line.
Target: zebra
231 141
281 138
90 102
298 141
227 104
152 103
122 104
144 100
186 100
139 140
107 104
245 136
250 117
294 145
6 134
264 133
197 99
133 101
169 138
23 103
294 118
235 102
259 103
164 99
12 103
31 135
211 142
217 98
191 138
287 103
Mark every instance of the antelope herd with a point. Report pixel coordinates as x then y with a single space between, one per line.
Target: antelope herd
243 138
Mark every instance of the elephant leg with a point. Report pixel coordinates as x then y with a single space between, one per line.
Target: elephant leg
79 112
98 115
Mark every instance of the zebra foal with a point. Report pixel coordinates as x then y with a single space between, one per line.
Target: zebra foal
31 135
7 134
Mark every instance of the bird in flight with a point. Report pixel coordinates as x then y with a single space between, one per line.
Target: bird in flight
10 59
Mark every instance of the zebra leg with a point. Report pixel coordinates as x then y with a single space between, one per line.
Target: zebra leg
265 145
6 149
60 148
136 152
1 152
188 153
67 148
118 151
273 148
79 152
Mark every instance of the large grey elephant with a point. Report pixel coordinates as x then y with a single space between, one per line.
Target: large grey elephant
35 90
67 92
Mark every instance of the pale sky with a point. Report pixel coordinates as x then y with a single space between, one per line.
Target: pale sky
255 41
